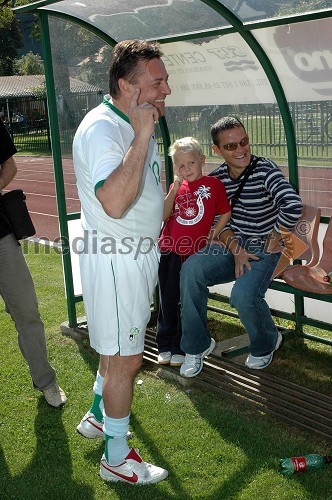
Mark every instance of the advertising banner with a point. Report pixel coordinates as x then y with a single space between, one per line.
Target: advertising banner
221 71
302 56
225 70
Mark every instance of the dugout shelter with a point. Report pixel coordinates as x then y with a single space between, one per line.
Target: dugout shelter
268 62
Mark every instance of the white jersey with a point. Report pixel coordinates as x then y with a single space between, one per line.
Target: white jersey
100 143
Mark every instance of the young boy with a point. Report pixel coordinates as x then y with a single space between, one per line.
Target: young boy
190 207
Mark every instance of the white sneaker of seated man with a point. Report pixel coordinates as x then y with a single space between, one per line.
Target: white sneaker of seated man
91 428
133 470
193 363
260 362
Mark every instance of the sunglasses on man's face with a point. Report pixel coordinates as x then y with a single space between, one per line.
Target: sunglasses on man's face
232 146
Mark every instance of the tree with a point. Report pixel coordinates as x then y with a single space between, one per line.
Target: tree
29 64
94 69
300 6
10 40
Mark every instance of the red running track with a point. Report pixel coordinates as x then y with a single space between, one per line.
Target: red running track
36 177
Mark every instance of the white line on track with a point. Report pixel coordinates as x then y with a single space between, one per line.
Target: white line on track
310 191
42 213
37 171
49 196
39 181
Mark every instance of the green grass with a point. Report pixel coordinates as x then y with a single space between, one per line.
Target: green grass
26 151
213 447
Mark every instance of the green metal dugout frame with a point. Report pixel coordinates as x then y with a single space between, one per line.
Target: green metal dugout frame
244 25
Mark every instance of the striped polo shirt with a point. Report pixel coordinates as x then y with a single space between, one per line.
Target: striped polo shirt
266 202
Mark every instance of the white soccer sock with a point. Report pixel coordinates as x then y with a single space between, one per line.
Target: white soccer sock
98 384
97 407
116 446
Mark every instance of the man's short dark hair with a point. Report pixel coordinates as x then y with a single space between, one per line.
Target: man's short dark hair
125 58
225 123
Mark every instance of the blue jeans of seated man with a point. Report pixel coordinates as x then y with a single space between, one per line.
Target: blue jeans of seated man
215 265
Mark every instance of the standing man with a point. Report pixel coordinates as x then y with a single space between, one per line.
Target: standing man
118 167
249 251
18 291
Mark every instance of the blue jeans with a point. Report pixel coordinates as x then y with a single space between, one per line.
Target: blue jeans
215 265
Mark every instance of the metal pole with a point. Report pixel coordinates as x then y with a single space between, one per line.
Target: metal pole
58 172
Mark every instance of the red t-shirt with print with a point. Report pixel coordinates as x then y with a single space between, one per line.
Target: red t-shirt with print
195 206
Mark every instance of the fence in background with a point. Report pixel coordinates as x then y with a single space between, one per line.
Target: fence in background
26 120
312 121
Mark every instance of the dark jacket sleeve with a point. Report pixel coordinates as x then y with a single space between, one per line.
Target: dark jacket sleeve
7 147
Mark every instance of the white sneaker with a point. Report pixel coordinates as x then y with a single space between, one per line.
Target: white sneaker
260 362
193 363
164 358
91 428
177 360
133 470
55 396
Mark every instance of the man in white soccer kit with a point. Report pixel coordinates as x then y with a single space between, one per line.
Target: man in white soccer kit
120 260
117 167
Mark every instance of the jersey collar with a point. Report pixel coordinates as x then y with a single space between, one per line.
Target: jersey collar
116 110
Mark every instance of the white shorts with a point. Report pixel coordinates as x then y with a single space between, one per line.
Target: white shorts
117 293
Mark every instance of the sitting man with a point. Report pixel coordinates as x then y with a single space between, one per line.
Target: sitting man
248 251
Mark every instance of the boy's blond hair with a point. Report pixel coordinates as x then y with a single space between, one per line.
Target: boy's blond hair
185 145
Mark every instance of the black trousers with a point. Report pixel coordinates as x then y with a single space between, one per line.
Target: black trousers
169 320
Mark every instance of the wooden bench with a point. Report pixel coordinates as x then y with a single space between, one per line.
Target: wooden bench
303 240
310 277
293 403
306 281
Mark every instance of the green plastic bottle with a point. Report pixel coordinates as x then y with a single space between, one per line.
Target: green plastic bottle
301 464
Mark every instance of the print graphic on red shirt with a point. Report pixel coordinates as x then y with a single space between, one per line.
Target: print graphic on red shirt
195 206
191 206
